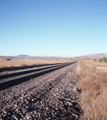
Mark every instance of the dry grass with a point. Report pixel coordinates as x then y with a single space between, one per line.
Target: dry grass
21 62
93 84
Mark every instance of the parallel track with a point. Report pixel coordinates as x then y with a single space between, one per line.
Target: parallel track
3 76
36 72
24 67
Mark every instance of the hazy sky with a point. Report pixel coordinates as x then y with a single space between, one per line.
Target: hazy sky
64 28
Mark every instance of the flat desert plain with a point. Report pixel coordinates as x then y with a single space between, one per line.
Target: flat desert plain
23 62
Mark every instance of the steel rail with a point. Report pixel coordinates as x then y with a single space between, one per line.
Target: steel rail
18 80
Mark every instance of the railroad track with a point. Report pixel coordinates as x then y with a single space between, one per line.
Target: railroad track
3 76
27 75
24 67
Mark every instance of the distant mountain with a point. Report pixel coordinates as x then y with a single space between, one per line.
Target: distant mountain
38 57
22 56
92 56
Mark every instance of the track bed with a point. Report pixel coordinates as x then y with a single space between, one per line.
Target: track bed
53 96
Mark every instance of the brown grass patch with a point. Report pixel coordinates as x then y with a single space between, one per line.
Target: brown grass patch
93 84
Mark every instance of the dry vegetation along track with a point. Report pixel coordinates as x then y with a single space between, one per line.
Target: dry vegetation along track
52 96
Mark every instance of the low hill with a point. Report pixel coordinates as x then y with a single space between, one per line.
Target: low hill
4 57
92 56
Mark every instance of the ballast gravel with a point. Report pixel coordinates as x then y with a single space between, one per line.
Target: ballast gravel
53 96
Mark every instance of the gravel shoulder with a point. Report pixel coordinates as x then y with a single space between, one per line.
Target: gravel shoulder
53 96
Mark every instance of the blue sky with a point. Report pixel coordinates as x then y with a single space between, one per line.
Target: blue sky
64 28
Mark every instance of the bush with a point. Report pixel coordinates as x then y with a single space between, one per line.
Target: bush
94 60
103 59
